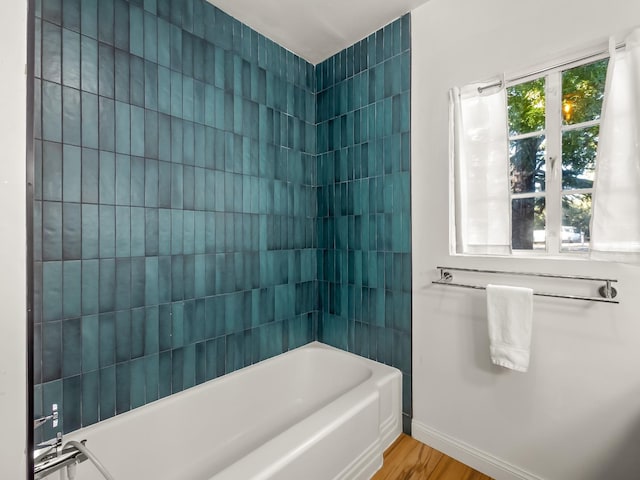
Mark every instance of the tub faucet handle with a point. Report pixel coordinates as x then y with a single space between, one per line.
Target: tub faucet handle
53 417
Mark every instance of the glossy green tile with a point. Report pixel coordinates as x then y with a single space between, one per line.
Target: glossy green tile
151 85
71 403
90 116
164 137
177 370
123 127
123 336
164 232
51 231
106 70
151 331
136 333
71 173
89 64
107 392
107 172
71 231
151 142
123 284
71 288
137 385
177 184
123 388
121 25
90 287
151 231
71 14
165 374
151 280
200 363
209 275
164 42
189 366
150 37
107 234
106 125
72 349
89 18
90 225
51 351
90 397
137 181
51 111
136 81
188 276
187 55
52 171
137 232
90 343
51 52
107 285
177 277
152 377
176 46
137 131
107 334
106 21
164 9
188 233
71 58
187 15
136 31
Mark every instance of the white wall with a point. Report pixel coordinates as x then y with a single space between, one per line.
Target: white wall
576 413
13 376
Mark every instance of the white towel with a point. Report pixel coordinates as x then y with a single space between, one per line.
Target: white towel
510 312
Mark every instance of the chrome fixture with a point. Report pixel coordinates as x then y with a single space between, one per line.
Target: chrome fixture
48 448
606 291
57 458
51 457
38 422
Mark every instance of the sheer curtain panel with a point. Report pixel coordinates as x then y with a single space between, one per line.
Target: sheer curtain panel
480 161
615 222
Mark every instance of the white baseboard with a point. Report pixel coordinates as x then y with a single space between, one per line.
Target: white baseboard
477 459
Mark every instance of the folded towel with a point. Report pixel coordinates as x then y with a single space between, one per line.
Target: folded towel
510 311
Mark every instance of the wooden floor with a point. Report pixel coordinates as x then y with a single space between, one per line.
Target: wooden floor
408 459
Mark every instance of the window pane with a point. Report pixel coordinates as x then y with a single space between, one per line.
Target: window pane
576 215
526 104
528 223
579 149
527 165
582 92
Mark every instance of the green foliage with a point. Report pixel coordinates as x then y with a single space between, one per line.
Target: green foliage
526 107
576 211
579 148
583 91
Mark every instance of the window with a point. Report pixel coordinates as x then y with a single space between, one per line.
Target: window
554 124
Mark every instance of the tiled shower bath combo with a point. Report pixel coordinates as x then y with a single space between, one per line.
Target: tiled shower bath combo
205 199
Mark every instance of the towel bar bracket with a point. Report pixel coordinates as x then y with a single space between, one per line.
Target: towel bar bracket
607 291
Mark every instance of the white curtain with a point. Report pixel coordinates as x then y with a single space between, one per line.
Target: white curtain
480 164
615 221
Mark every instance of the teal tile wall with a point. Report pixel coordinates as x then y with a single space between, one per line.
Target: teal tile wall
175 202
364 200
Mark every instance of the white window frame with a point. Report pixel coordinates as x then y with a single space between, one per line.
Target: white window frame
553 132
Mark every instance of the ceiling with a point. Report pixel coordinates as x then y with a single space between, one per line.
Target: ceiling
316 29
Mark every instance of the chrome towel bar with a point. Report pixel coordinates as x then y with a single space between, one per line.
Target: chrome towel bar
607 292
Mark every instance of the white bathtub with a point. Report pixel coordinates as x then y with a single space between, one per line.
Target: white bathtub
314 413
